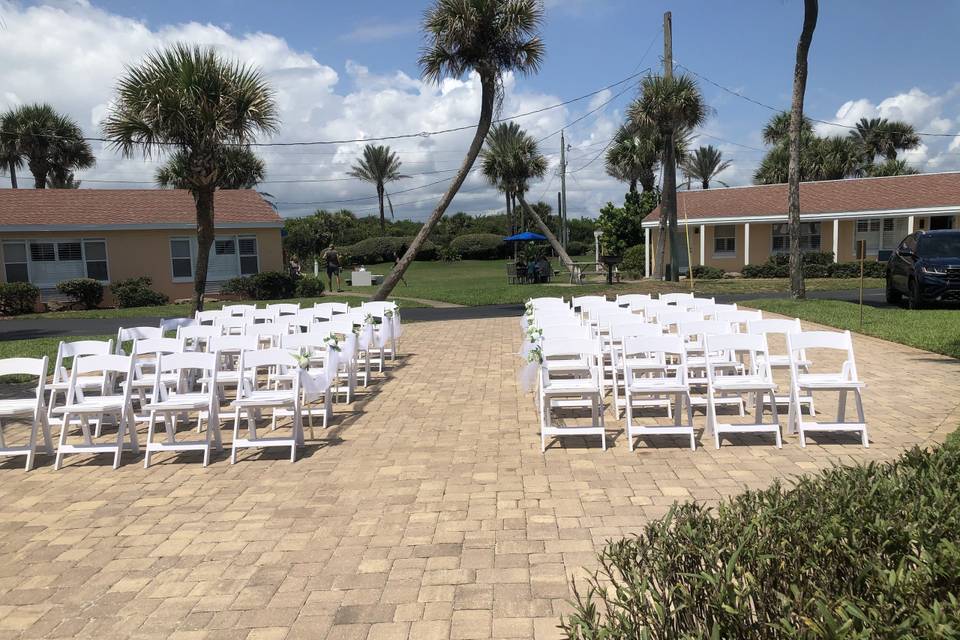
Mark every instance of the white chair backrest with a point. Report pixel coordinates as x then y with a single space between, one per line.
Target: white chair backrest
780 326
696 329
538 303
196 337
603 315
27 367
284 308
174 324
378 308
239 310
155 346
669 320
232 324
738 319
130 334
578 302
306 317
118 365
566 332
298 341
330 309
206 364
572 348
208 317
673 298
77 348
622 330
265 331
233 344
697 303
711 311
798 344
630 300
750 350
251 362
259 316
655 349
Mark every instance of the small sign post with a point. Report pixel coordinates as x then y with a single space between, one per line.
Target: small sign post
861 256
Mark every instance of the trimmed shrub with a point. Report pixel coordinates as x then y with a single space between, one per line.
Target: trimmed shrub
86 292
816 271
18 297
868 551
633 264
706 272
576 248
480 246
769 269
384 248
268 285
309 287
136 292
448 255
871 269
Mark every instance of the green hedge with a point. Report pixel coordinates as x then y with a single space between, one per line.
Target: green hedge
706 272
633 264
384 248
870 551
268 285
576 248
309 287
137 292
86 292
18 297
815 265
480 246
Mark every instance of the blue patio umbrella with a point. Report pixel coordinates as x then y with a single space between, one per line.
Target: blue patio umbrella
526 236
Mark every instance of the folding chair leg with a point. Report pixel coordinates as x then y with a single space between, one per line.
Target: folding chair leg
236 434
151 421
842 407
776 416
58 460
861 418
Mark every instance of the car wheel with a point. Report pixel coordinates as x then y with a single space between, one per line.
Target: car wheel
915 302
893 296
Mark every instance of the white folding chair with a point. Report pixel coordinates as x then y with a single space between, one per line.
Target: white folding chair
648 310
131 334
654 370
197 337
314 347
284 308
116 370
843 382
260 316
209 317
548 302
632 300
186 397
60 381
779 328
232 325
619 331
265 396
25 409
694 336
674 298
698 303
670 320
239 310
229 348
710 311
267 333
330 309
738 319
577 302
754 377
566 389
145 355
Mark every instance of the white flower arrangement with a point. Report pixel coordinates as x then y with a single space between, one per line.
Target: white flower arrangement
535 355
534 334
372 319
332 341
303 358
388 313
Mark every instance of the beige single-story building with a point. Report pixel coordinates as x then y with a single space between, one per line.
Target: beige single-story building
51 235
731 227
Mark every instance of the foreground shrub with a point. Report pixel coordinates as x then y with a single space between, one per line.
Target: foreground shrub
268 285
136 292
18 297
86 292
448 255
480 246
870 551
871 269
309 287
816 271
633 264
577 248
706 272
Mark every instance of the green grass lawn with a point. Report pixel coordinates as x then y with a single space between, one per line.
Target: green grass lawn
936 330
37 348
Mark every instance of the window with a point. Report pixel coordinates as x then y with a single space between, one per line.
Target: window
42 252
725 239
95 255
224 247
181 257
15 262
249 262
69 251
809 237
880 234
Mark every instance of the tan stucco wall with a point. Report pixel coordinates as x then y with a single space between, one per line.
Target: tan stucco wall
145 252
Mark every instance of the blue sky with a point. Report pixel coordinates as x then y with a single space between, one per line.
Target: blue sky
354 60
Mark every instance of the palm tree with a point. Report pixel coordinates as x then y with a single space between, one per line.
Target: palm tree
240 168
633 156
810 10
10 157
833 158
378 166
890 168
195 102
882 137
51 143
670 104
490 37
511 160
704 164
496 148
777 129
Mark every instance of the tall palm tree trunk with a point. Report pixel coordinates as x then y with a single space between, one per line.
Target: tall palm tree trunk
511 222
487 98
668 212
633 185
203 197
552 239
39 169
797 286
383 219
13 174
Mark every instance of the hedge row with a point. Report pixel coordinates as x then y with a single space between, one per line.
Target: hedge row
869 551
384 249
833 270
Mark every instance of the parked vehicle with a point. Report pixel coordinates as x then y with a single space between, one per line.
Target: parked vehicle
925 269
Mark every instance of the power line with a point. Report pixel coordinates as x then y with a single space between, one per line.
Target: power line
778 109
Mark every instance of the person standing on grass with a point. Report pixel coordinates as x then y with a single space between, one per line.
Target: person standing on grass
332 260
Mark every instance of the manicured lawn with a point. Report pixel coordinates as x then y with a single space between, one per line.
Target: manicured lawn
936 330
39 347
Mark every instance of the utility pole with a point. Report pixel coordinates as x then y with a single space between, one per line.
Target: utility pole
667 45
564 232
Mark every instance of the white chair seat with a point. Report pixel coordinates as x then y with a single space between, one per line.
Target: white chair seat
572 364
743 383
572 386
272 398
148 381
181 401
84 382
17 407
657 385
826 381
97 404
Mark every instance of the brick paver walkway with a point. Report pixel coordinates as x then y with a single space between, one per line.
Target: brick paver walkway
428 512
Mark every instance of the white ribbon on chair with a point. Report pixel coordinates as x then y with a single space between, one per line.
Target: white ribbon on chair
527 377
315 383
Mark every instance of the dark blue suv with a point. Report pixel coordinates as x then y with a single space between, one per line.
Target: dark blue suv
925 269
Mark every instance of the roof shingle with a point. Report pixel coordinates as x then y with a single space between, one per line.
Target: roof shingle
100 207
926 190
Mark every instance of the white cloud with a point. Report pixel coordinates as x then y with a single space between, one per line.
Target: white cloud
71 54
375 32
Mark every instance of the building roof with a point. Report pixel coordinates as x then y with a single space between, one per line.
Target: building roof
921 192
37 209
